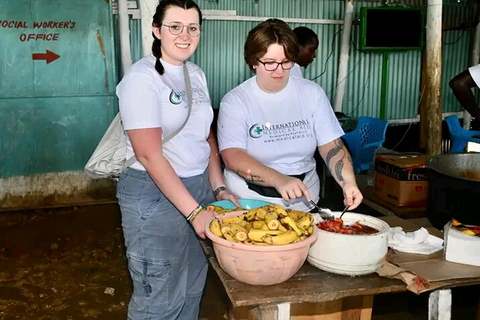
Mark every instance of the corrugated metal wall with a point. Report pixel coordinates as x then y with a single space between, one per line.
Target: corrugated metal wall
220 54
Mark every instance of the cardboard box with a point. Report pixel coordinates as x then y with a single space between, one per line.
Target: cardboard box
401 179
461 248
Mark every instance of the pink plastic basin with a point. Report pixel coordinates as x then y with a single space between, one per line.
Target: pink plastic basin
259 265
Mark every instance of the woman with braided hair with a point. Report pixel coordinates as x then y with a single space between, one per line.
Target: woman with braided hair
178 169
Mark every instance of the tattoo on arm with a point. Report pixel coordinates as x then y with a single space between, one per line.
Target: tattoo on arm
335 150
338 170
338 167
251 177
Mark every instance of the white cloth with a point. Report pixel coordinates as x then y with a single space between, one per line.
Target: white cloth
148 100
280 130
475 73
419 241
297 71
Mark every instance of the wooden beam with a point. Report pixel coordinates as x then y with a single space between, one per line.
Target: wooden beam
433 83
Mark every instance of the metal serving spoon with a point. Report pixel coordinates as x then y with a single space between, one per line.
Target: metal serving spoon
344 210
325 214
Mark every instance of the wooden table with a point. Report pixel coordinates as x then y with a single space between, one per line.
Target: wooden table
309 294
313 294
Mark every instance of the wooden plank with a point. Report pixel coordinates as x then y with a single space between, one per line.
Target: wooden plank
330 310
309 285
264 312
268 312
357 308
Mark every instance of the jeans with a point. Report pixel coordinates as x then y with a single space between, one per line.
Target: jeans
166 263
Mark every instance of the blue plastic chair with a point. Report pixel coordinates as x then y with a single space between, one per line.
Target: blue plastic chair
459 136
364 140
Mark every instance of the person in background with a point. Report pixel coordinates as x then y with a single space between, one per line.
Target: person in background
308 45
461 86
270 125
161 195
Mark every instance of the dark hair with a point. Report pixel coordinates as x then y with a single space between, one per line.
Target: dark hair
305 36
266 33
157 22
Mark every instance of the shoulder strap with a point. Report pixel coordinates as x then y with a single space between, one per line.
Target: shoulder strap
188 86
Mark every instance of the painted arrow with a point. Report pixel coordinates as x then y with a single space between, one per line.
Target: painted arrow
48 56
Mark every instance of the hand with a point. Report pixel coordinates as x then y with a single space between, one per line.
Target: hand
227 195
353 196
292 188
201 220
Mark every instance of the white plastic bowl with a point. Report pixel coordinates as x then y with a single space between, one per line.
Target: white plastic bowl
351 254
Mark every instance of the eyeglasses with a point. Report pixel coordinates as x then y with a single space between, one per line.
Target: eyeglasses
272 66
176 28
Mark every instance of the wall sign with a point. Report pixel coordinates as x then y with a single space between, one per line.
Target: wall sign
27 35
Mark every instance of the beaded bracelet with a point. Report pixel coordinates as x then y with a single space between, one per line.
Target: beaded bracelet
219 189
194 213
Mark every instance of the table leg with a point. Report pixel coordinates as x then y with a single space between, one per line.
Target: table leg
270 312
279 311
440 305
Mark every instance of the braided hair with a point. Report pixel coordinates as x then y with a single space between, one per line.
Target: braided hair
157 22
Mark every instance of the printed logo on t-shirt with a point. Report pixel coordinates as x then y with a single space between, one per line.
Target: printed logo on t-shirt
255 131
293 130
175 97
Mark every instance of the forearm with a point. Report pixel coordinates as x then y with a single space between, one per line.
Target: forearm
338 161
238 161
215 174
461 86
466 98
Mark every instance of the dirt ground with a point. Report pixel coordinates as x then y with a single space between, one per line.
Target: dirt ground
69 264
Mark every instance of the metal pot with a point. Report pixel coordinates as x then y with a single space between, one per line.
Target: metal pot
454 188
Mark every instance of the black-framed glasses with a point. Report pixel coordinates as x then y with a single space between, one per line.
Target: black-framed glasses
272 66
176 28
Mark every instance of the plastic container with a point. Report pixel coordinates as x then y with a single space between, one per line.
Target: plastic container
259 265
245 203
351 254
460 247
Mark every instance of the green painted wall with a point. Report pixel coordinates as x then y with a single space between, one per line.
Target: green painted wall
53 114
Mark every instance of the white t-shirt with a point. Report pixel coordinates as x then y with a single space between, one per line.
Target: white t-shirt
149 100
280 130
297 71
475 73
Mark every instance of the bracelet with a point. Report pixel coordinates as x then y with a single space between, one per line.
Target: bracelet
219 189
194 213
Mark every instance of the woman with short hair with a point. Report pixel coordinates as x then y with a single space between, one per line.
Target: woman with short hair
270 125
